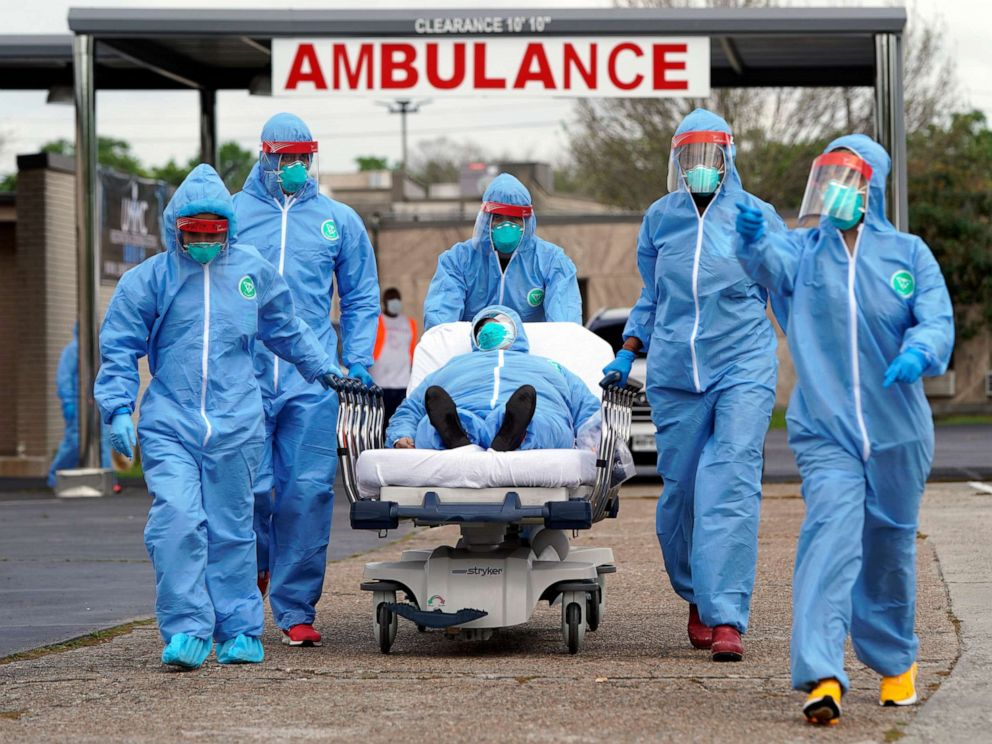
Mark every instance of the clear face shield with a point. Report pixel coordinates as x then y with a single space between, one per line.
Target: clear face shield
837 189
290 164
698 159
202 238
494 332
505 225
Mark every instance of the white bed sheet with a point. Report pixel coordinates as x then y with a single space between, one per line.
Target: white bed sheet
474 467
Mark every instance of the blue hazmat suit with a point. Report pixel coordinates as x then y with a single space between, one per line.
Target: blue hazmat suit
539 281
313 242
711 372
864 451
67 388
481 382
201 426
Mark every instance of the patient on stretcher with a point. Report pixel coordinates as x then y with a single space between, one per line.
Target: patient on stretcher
497 397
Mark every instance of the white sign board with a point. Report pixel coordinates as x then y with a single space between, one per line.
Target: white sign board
606 66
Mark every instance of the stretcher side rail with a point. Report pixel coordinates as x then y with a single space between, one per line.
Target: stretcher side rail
359 427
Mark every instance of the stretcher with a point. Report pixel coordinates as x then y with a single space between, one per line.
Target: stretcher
514 510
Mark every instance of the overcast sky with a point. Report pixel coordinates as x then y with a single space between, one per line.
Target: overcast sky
161 126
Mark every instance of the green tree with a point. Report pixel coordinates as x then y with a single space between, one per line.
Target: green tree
8 182
950 207
111 152
371 163
233 165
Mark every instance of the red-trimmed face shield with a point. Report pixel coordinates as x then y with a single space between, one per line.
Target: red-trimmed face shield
510 210
200 226
837 188
291 163
699 159
202 239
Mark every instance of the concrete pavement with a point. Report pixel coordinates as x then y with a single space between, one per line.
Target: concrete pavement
636 680
71 567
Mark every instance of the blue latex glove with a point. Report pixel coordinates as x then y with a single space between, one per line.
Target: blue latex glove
907 368
122 432
358 372
750 223
621 365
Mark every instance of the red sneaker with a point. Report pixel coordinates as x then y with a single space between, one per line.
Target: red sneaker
700 636
118 488
301 635
263 581
727 644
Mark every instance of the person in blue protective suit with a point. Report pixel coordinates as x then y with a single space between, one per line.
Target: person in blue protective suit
498 396
506 263
711 373
315 243
868 315
195 312
67 388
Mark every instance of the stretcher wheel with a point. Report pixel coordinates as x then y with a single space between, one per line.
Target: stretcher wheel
384 620
573 620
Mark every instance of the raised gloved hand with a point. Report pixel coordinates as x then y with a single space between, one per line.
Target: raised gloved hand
907 368
358 372
122 432
621 366
750 223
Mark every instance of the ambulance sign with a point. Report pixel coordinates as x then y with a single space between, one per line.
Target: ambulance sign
604 67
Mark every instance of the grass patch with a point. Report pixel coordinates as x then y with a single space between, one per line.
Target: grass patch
90 639
11 715
893 734
963 420
778 419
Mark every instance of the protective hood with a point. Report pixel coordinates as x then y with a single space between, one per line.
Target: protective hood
201 191
702 120
262 182
874 154
505 189
520 342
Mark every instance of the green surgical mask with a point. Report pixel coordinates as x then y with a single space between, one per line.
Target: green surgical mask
702 180
844 205
506 237
204 253
491 336
293 177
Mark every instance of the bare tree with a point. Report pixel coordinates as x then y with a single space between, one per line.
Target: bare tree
620 146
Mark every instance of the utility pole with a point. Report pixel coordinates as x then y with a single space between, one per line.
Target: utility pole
403 106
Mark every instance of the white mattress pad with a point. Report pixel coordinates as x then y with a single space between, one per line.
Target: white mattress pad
473 467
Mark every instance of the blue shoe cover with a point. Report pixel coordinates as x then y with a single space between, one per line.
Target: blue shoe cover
241 650
186 651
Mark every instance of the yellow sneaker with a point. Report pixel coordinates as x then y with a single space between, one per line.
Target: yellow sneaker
822 706
899 690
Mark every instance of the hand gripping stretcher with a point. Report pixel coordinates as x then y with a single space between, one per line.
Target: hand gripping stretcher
514 509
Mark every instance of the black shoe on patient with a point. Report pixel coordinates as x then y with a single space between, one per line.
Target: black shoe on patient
443 415
519 412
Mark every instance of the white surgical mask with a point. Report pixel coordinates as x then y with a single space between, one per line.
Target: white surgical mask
394 306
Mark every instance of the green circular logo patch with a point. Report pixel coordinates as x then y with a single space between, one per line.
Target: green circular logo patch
903 283
247 288
329 230
535 297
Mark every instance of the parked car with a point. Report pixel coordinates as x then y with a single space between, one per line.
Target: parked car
608 324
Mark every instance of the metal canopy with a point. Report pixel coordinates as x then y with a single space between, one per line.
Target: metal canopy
213 49
227 49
